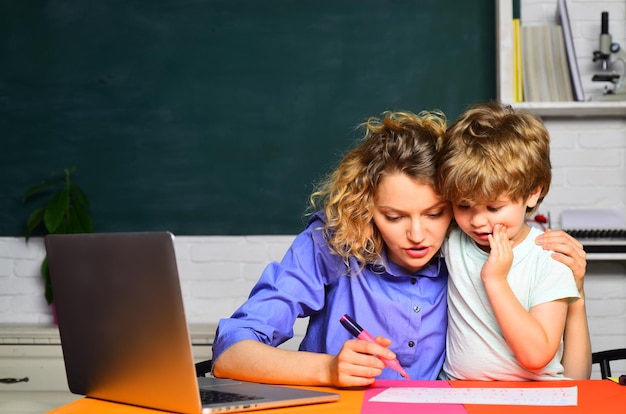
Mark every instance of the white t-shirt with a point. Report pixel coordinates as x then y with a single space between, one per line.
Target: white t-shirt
475 346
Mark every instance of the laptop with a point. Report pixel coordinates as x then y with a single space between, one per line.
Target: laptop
123 329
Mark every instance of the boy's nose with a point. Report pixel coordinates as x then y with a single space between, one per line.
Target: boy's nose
477 220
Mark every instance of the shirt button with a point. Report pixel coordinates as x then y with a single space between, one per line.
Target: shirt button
413 281
411 344
416 308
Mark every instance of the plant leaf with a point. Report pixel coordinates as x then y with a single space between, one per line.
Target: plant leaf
78 196
81 220
65 212
55 211
34 221
45 273
37 189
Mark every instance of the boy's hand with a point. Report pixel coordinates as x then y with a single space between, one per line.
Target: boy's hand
500 257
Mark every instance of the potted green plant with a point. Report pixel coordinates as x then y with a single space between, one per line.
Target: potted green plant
63 209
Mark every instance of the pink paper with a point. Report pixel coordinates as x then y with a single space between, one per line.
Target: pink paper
407 408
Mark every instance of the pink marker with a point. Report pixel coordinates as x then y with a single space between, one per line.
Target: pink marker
356 330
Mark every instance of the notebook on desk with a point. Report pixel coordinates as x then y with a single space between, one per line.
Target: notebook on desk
123 329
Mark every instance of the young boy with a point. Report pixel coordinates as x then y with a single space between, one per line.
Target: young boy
507 299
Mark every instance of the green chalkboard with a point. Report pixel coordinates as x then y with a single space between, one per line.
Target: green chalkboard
215 117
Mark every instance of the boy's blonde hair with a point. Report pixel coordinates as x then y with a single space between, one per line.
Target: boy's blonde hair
492 151
400 142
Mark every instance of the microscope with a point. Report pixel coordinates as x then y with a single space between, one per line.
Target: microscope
609 54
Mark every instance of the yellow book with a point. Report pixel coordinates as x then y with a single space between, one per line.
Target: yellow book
518 91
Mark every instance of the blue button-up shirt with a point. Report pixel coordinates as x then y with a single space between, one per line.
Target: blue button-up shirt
310 281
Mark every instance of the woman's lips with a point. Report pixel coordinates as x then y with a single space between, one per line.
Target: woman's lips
417 252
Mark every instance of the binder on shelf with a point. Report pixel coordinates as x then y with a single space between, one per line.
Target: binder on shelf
563 14
545 71
518 90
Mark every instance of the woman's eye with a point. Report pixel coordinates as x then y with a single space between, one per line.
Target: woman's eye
392 218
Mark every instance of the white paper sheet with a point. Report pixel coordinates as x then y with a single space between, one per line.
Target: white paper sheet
563 396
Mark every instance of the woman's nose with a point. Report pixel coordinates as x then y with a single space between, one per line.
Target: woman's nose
415 232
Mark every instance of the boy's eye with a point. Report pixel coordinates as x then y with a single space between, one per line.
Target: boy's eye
493 209
462 206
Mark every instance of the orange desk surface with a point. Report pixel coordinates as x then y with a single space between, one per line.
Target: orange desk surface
593 396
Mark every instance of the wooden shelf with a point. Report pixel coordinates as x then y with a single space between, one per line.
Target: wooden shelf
504 72
574 109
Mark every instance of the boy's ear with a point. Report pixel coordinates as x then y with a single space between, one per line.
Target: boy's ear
533 198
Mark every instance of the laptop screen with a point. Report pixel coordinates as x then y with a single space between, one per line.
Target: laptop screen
121 319
123 329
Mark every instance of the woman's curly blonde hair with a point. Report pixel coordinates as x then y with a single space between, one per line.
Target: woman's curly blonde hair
399 142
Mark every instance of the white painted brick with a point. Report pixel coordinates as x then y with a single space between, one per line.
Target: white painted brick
591 158
604 140
583 197
558 178
6 267
609 325
232 249
17 248
209 311
608 307
13 286
538 12
5 304
28 267
277 250
591 177
562 140
602 287
183 252
210 270
211 290
30 304
252 271
608 342
270 239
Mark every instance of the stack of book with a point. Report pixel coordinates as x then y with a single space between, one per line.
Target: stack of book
545 67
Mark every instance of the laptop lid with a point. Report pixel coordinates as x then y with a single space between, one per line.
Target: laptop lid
123 329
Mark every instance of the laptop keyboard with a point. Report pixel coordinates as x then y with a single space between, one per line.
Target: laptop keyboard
213 396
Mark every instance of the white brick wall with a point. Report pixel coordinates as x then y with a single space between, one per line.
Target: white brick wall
589 162
216 274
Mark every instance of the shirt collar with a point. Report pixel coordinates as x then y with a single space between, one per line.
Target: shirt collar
432 269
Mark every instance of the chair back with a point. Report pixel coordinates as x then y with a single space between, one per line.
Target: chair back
604 358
